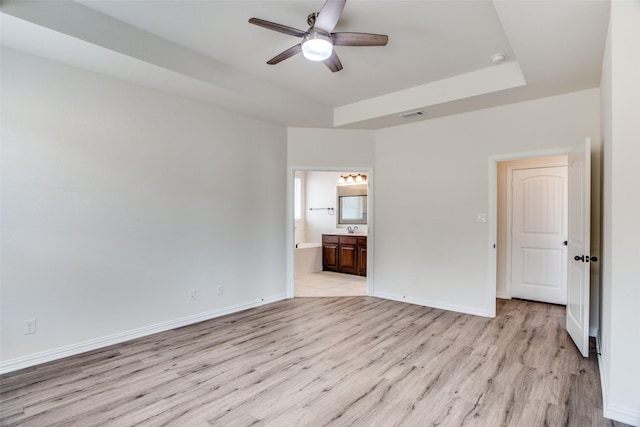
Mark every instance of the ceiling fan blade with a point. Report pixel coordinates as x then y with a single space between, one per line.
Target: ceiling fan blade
293 50
333 62
359 39
278 27
329 15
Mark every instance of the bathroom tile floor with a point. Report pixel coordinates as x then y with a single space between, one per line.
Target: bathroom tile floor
330 284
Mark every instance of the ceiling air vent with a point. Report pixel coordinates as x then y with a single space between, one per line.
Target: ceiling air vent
411 114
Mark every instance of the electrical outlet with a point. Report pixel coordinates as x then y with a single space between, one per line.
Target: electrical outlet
413 280
481 217
193 295
30 326
220 290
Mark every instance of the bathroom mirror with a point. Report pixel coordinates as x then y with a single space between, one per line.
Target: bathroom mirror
352 204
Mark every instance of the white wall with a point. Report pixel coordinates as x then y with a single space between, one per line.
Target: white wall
322 192
330 149
620 320
117 200
432 181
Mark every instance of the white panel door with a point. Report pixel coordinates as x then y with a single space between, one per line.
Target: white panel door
579 245
538 234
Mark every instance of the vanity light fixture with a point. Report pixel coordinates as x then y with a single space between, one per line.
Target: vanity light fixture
352 179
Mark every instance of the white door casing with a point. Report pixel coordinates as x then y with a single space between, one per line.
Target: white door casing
578 263
538 225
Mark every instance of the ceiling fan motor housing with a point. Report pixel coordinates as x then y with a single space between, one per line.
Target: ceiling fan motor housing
317 45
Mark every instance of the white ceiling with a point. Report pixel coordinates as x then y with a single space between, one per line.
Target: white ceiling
437 59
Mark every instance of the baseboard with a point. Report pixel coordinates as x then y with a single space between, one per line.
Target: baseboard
593 332
612 411
623 415
502 295
433 304
94 344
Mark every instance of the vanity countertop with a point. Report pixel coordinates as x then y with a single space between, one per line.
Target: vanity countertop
346 233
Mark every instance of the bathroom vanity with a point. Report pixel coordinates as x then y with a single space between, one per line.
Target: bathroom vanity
344 253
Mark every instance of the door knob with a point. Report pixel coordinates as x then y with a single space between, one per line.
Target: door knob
579 258
594 258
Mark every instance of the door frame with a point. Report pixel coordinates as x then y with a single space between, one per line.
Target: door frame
509 216
290 236
493 212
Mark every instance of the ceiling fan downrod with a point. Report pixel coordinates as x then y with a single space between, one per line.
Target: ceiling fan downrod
311 19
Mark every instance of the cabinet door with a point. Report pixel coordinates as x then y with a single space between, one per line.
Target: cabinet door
348 258
330 256
362 260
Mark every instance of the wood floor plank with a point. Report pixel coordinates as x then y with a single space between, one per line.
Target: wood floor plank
324 361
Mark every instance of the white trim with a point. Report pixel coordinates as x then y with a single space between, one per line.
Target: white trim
93 344
508 241
629 416
291 235
502 295
434 304
492 281
593 332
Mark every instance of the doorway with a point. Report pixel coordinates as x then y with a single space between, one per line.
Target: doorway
315 214
578 160
531 229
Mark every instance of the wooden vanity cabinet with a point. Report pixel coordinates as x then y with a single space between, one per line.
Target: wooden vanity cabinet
348 255
362 256
329 252
344 254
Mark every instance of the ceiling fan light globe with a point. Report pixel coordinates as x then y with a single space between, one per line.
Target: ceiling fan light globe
317 47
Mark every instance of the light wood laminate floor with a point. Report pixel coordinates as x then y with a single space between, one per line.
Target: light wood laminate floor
356 361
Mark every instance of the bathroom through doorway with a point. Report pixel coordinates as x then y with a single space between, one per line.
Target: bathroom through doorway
331 227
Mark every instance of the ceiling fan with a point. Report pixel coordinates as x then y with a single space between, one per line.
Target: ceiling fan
318 41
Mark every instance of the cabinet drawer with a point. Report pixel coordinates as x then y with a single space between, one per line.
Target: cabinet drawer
348 240
329 238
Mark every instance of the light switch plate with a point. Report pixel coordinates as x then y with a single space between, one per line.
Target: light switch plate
482 217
